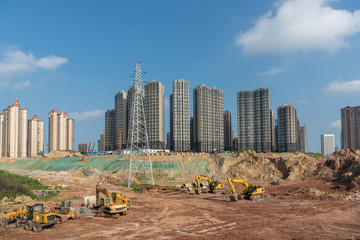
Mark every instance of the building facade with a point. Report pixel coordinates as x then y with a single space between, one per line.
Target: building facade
109 130
327 144
155 114
272 129
180 116
287 129
208 119
350 127
84 147
61 131
302 139
254 130
13 133
120 127
227 131
35 137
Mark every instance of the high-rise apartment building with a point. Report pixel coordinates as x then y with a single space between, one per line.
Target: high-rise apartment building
109 130
13 131
155 114
272 129
208 119
180 116
350 127
120 121
254 130
287 129
302 139
227 131
327 144
61 131
35 137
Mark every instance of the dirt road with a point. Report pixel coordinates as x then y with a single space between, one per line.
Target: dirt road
166 214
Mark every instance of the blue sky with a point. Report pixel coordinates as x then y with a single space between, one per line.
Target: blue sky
76 55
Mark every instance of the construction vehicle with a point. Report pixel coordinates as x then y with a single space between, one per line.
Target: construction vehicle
16 217
37 218
119 197
250 192
107 207
213 185
65 211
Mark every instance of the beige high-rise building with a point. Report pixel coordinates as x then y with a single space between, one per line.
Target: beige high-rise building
350 127
61 131
13 133
154 114
208 119
35 137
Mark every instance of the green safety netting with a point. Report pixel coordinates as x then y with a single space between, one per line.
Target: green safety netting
102 163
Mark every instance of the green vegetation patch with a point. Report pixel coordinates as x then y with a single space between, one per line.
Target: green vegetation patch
13 185
316 155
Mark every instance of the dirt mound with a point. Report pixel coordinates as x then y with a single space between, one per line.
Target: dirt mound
62 154
265 166
344 166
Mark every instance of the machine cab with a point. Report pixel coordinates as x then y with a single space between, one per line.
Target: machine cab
104 201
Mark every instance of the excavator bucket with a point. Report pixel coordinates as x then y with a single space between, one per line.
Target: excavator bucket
197 191
233 197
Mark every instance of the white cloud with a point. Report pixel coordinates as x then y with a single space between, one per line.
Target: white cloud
14 62
343 87
303 101
272 71
22 85
335 124
87 115
300 25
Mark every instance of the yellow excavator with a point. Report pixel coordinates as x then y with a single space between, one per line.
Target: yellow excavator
213 185
16 217
250 192
118 197
107 206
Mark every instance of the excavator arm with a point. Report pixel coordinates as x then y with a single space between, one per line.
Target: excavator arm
198 178
100 189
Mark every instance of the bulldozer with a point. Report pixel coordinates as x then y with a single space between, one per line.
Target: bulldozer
16 217
118 197
250 192
37 218
107 207
213 185
65 211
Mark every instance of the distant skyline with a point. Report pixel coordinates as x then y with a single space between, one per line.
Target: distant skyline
76 55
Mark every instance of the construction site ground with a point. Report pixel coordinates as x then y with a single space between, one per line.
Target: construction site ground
306 209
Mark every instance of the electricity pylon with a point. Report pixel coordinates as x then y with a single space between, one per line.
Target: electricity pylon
140 165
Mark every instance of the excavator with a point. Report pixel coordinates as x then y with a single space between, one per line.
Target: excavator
213 185
119 197
16 217
107 206
250 192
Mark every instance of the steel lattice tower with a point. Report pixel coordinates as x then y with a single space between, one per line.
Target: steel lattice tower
140 165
